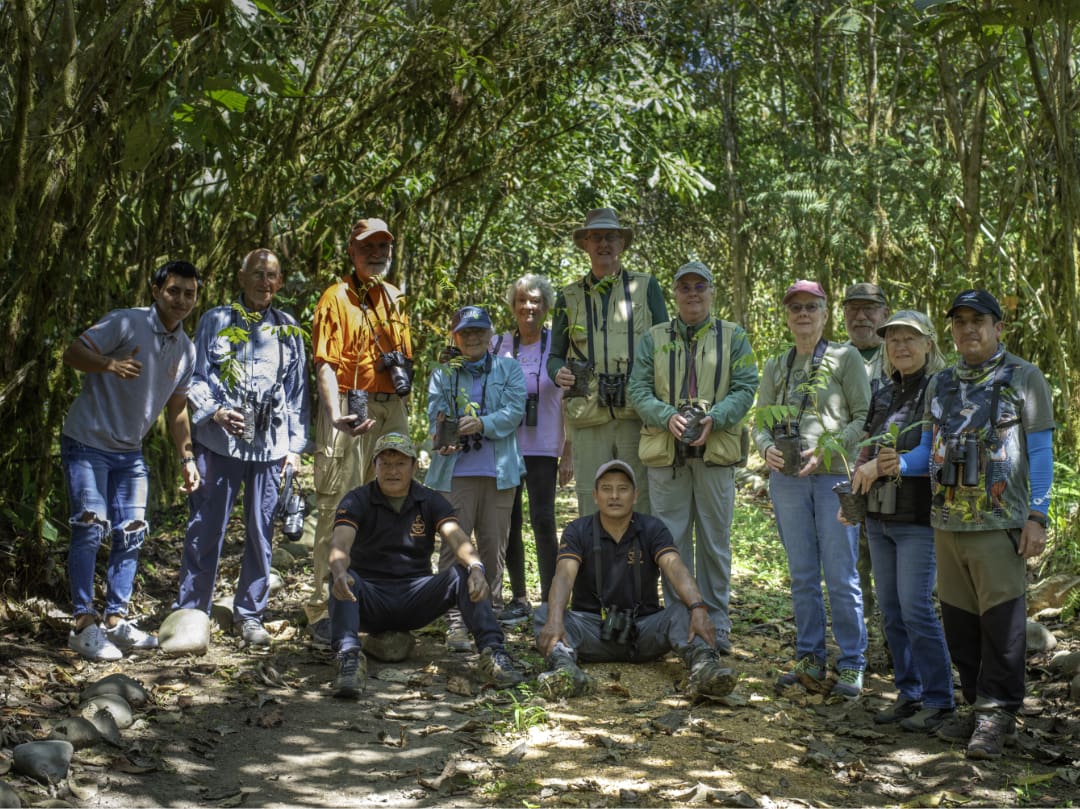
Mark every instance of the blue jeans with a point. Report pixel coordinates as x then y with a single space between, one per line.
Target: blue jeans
210 506
904 566
817 542
107 497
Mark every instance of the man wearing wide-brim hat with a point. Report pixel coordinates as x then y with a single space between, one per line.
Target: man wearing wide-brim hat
597 323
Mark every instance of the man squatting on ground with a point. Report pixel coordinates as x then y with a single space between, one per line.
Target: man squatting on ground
136 361
362 350
988 440
380 561
249 407
612 561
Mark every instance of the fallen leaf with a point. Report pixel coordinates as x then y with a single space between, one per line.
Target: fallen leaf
1028 780
270 719
461 686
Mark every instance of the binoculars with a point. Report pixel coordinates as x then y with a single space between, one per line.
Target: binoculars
618 626
400 369
881 499
612 389
258 413
532 408
961 461
693 415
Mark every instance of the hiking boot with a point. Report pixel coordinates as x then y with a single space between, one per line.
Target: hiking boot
723 642
458 638
252 633
514 613
320 633
352 672
126 636
807 672
563 678
390 647
993 730
928 720
958 728
901 709
848 684
499 668
708 676
93 643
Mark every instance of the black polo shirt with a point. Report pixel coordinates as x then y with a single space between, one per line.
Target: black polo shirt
388 544
645 541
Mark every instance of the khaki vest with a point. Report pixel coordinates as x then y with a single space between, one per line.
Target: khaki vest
723 447
611 354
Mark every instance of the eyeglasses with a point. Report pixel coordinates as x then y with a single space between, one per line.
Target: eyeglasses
795 308
265 276
611 238
699 287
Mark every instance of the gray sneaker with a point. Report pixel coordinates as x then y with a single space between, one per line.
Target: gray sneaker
993 730
320 633
458 638
958 728
899 710
928 720
563 678
709 678
127 636
848 684
93 643
352 674
499 668
808 672
253 634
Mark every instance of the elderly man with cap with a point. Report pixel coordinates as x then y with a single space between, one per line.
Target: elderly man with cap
479 471
693 382
363 368
988 441
597 323
380 564
611 561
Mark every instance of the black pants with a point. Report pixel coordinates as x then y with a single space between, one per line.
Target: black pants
541 477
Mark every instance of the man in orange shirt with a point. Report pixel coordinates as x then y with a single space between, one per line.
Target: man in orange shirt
363 368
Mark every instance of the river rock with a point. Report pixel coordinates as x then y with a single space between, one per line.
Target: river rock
390 647
77 730
1039 638
1052 592
185 632
1065 664
111 704
9 798
221 613
120 685
297 550
46 761
282 559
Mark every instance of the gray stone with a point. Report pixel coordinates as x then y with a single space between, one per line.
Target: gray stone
1052 592
111 704
121 685
1065 664
77 730
390 647
282 559
276 583
1074 688
297 550
1039 638
46 761
9 798
185 632
221 613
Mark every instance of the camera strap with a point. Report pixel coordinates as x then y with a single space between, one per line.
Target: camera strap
517 347
598 564
815 366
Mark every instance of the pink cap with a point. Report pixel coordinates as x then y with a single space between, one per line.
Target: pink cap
802 285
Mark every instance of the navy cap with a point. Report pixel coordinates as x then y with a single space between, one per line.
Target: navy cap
978 299
470 317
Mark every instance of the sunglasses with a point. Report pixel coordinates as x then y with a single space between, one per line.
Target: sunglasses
699 287
795 308
596 238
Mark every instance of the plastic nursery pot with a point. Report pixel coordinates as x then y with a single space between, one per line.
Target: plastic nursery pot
356 402
694 416
790 447
447 434
583 373
852 505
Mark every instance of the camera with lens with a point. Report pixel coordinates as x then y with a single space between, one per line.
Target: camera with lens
258 413
532 408
448 354
881 499
787 439
618 626
356 402
961 461
612 389
693 416
400 369
583 374
290 506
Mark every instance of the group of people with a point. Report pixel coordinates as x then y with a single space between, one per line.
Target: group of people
645 412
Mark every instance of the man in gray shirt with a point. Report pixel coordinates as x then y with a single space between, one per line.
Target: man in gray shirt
136 361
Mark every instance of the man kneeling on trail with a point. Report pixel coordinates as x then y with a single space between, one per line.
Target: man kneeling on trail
380 564
616 613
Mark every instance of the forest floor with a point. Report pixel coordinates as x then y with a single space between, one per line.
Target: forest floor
234 728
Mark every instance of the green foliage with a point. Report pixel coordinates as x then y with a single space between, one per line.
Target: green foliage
519 713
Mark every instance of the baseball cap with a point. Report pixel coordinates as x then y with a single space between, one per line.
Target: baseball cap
368 227
912 319
865 292
395 441
615 466
802 285
694 268
470 317
978 299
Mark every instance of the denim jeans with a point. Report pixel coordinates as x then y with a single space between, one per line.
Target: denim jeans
904 568
817 542
107 497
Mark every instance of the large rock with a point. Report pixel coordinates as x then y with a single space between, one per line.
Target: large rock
297 550
221 613
46 761
1039 638
282 559
1051 592
77 730
390 647
119 685
111 705
9 798
1065 664
185 632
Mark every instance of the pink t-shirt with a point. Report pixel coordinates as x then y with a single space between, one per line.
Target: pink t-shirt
547 437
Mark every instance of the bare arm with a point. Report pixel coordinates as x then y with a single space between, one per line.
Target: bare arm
341 542
326 378
562 585
176 415
81 357
465 553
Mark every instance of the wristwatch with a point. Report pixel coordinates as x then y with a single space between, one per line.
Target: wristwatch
1038 517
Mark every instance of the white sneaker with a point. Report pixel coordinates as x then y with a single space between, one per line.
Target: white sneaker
93 644
127 636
